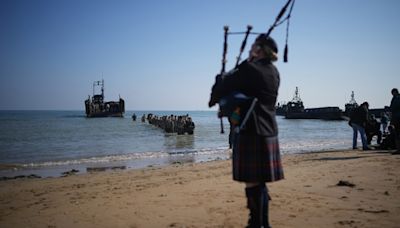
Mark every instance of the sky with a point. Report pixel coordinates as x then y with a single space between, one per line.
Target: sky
164 54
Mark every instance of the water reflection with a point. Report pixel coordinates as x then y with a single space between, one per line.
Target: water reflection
178 143
180 148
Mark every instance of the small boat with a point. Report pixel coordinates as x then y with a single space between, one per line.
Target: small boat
295 110
96 107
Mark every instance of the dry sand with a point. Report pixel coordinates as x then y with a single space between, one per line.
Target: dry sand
204 195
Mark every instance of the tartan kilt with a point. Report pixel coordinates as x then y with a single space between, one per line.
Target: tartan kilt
256 159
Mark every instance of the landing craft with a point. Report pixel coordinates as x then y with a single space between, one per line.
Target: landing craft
295 110
352 105
96 107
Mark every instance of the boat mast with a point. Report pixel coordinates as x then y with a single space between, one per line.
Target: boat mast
352 100
296 97
102 88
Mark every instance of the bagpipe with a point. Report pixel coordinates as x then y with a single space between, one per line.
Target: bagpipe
237 106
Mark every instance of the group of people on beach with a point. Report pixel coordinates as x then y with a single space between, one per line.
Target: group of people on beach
386 129
172 123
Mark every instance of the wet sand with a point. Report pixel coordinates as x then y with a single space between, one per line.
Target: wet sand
204 195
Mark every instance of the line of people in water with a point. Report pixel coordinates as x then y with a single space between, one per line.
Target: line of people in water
170 124
386 129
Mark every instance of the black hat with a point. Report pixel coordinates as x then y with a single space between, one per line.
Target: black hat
268 41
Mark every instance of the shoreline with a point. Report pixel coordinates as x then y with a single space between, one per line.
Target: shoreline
11 171
204 195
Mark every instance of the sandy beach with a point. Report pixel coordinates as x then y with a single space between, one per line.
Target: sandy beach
204 195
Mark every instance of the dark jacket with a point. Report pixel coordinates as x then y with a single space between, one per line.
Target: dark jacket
254 79
395 107
359 116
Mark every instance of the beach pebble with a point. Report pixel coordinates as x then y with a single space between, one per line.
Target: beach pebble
71 172
345 183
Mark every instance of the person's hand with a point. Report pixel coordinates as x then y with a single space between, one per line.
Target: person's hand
212 102
213 97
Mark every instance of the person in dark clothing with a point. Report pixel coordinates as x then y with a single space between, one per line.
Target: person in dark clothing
384 121
395 119
256 156
373 128
358 121
389 139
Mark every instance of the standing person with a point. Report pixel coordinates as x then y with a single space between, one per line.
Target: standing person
256 156
395 120
358 121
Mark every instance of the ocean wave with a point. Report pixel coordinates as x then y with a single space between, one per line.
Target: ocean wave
127 157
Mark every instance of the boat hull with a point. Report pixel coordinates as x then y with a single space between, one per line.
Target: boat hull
107 109
325 113
105 114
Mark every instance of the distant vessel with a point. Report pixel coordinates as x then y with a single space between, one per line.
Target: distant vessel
295 110
280 109
96 107
349 107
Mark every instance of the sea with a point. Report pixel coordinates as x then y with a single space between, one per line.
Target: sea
50 143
